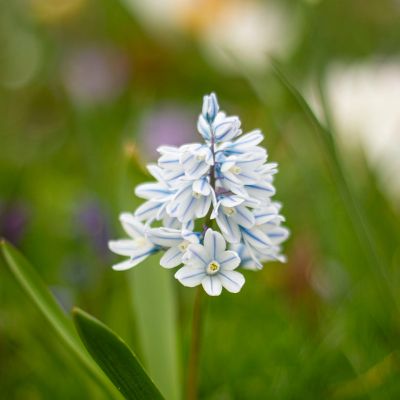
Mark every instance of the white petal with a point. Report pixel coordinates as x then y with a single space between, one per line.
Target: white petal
278 234
215 210
202 206
252 138
141 255
197 170
152 191
167 149
186 209
171 222
214 243
123 247
266 214
197 256
169 161
227 129
252 253
251 160
210 107
190 236
202 186
156 172
229 228
244 217
189 276
231 201
172 258
212 285
165 237
231 178
132 226
227 165
147 210
260 190
255 237
232 281
204 128
161 212
229 260
124 265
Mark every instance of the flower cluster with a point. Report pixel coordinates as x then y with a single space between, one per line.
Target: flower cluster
210 208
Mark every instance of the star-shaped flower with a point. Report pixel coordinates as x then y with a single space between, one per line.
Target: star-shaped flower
211 265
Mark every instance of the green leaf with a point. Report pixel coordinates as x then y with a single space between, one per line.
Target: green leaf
154 305
34 287
115 358
155 311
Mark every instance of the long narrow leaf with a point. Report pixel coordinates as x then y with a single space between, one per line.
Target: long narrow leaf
34 287
115 358
354 210
154 305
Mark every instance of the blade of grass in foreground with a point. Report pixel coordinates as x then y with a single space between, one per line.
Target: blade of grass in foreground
153 301
327 144
115 358
34 287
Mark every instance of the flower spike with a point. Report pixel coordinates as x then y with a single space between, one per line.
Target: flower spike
227 182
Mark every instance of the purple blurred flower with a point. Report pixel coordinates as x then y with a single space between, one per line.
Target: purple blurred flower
94 75
169 124
92 223
13 221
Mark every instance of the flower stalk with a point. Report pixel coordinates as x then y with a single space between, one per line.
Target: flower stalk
195 347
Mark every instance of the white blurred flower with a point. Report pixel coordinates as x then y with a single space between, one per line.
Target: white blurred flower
229 31
364 100
248 32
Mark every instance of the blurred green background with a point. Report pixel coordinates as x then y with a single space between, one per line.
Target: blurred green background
89 89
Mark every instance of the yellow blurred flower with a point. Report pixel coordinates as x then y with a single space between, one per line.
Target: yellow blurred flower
52 11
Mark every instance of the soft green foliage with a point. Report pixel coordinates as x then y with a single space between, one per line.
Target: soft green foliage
32 284
325 325
115 358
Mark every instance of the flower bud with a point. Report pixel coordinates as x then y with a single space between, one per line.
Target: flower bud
210 107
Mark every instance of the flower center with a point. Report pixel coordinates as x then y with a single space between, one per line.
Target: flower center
236 170
229 211
141 241
196 195
182 246
213 267
200 157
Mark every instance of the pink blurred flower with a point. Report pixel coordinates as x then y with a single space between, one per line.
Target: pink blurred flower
95 75
169 124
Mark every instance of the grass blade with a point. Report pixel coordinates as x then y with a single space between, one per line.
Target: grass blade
329 147
155 312
34 287
360 225
115 358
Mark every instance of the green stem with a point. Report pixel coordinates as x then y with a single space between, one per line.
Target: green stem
195 345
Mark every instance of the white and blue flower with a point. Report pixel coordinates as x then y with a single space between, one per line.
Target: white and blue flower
211 265
175 242
225 179
137 248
